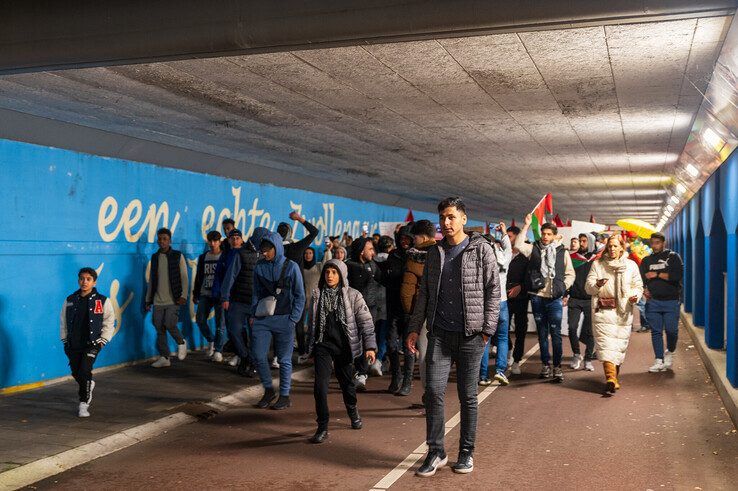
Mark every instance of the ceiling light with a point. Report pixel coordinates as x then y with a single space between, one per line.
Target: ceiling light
667 213
713 140
681 188
659 227
692 170
674 199
670 207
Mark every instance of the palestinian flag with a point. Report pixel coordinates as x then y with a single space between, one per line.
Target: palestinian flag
577 259
558 222
539 214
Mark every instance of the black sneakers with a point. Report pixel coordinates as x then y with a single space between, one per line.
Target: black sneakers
282 403
545 372
465 463
433 461
267 399
319 437
353 415
558 375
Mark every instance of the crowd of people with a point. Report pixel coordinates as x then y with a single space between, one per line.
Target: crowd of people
376 304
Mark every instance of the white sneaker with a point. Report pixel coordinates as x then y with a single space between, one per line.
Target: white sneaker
515 368
360 382
576 362
234 361
182 351
275 362
161 362
84 410
588 366
658 366
510 360
89 396
668 360
210 350
375 369
217 357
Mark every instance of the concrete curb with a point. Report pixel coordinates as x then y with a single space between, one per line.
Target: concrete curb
41 469
715 363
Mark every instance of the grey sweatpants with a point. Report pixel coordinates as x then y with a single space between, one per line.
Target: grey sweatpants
165 319
445 348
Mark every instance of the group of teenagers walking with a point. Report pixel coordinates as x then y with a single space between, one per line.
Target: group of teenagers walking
438 303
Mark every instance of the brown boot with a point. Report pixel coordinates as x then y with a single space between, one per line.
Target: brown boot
617 379
611 375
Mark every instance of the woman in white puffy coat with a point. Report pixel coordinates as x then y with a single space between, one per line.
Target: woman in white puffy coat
616 286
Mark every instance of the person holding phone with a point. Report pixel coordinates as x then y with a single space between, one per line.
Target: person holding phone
615 284
341 329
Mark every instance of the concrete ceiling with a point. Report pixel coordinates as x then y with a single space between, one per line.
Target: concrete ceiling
598 115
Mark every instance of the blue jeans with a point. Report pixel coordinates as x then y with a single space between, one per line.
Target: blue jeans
663 315
502 335
237 321
204 306
547 313
642 308
282 330
380 331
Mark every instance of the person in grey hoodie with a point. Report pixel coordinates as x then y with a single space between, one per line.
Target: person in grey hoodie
277 277
459 300
341 329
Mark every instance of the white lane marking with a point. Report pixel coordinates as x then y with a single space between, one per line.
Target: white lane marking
387 481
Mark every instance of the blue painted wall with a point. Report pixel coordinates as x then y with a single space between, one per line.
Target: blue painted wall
62 210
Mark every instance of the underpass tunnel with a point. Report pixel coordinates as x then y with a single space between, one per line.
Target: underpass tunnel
118 118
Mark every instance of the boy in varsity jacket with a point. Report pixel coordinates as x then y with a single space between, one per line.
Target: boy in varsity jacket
87 323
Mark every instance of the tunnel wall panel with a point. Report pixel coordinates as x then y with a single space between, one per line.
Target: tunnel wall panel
63 210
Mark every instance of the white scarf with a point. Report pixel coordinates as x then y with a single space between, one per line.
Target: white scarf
617 267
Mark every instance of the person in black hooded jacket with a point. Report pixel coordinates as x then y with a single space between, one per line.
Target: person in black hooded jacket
364 275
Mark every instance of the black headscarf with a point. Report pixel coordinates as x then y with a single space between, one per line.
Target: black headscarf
308 264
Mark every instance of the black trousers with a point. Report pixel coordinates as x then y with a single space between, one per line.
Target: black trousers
518 311
581 308
81 361
344 367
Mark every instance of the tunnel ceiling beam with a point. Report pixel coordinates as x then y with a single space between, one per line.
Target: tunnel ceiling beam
43 35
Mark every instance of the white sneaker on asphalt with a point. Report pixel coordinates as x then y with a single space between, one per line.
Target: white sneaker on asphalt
668 360
515 369
84 410
234 361
658 366
182 351
210 350
161 362
275 362
217 357
588 366
576 362
375 369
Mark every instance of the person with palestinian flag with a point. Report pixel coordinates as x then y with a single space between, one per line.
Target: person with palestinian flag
550 274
